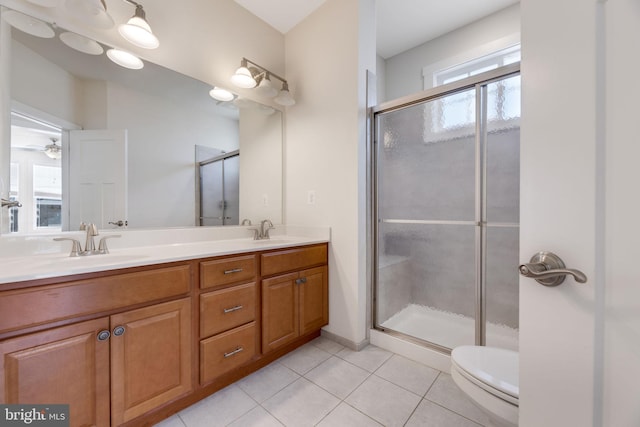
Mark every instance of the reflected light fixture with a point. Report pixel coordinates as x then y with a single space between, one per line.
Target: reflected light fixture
90 12
28 24
137 30
81 43
250 75
221 94
53 150
125 59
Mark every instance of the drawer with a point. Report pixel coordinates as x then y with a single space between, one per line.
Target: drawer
227 271
227 308
227 351
43 304
293 259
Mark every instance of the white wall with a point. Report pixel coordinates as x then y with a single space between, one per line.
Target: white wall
404 71
327 56
261 157
161 151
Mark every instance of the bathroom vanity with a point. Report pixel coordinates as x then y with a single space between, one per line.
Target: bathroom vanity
132 345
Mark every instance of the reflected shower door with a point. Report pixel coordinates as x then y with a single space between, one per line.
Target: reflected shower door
220 190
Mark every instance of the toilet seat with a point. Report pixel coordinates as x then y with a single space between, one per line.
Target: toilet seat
495 370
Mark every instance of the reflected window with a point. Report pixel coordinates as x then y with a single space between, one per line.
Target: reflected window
47 196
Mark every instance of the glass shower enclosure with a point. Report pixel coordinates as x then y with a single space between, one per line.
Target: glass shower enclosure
446 212
218 189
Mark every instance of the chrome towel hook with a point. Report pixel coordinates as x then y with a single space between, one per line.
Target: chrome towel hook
548 269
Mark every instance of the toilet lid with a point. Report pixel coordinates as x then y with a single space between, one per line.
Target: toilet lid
495 367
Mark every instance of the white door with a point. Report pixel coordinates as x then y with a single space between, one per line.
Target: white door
580 343
97 177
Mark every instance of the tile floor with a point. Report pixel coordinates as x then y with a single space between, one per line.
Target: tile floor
325 384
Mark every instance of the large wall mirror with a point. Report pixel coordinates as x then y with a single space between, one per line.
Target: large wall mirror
152 132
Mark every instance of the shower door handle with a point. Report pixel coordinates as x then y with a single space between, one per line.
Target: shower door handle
548 269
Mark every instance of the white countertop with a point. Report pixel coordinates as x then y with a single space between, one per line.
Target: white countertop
44 265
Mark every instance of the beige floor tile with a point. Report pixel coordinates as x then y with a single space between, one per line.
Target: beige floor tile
257 417
337 376
266 382
383 401
301 404
369 358
432 415
408 374
219 409
304 359
446 393
347 416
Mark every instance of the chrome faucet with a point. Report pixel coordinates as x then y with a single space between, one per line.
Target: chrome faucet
265 233
262 232
90 245
92 230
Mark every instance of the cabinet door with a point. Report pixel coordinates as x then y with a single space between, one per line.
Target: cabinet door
150 360
314 299
66 365
279 311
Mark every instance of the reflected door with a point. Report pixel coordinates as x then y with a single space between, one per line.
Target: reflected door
220 190
97 177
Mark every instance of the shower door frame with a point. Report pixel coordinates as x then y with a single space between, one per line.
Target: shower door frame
476 82
199 165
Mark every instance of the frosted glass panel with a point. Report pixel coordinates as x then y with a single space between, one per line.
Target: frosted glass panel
211 196
426 281
426 168
501 289
503 151
232 190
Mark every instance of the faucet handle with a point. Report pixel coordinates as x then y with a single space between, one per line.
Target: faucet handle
75 248
102 246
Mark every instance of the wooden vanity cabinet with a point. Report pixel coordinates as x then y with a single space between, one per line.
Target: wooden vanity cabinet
65 365
228 313
295 303
127 347
111 369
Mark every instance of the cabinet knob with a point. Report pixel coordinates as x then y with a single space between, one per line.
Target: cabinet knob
301 280
103 335
118 330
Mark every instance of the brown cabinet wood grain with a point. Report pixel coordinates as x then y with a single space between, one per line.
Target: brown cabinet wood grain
293 305
293 259
227 351
227 308
150 361
66 365
227 271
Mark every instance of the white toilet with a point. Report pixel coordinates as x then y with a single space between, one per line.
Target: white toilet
489 376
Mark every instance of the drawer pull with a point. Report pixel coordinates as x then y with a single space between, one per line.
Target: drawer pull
233 270
231 353
232 309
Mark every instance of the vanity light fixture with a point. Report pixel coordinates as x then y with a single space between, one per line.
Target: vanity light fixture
250 75
137 30
125 59
221 94
90 12
28 24
284 96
